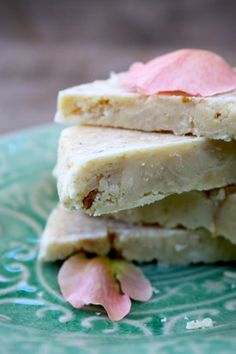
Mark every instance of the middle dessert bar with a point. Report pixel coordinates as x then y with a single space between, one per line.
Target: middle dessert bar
104 170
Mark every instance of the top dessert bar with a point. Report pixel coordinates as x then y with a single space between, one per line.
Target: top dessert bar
175 106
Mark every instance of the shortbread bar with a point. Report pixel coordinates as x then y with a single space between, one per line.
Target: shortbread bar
107 103
68 232
104 170
213 210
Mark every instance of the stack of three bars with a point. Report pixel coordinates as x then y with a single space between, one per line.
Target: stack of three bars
149 168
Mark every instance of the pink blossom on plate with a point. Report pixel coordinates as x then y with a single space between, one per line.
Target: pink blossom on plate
190 72
132 281
103 281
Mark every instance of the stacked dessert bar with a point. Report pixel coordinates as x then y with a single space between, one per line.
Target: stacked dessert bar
147 168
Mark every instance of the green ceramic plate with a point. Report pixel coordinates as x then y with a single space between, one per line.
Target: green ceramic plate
33 316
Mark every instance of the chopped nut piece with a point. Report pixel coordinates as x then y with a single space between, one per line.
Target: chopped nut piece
76 110
104 101
186 99
217 115
89 199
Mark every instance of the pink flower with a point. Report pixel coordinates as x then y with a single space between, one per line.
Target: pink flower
103 281
191 72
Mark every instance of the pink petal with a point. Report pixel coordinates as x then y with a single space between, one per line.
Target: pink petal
90 281
187 71
132 280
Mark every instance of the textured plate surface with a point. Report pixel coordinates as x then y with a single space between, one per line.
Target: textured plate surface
33 316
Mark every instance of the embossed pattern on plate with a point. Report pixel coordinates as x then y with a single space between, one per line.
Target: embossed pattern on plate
33 315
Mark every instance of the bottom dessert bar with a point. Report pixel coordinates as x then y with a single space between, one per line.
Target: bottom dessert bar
68 232
213 210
